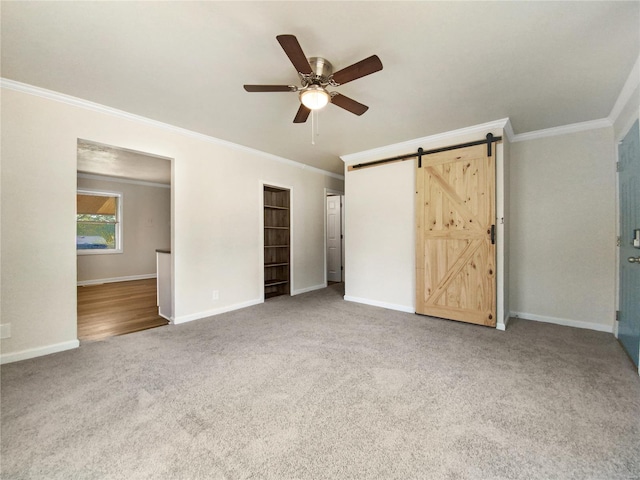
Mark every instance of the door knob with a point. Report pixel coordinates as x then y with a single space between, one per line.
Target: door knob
634 259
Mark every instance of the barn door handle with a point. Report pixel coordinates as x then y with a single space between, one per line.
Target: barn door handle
493 234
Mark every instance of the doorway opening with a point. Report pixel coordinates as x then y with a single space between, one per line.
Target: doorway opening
123 219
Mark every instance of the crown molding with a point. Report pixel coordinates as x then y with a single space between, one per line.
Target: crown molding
633 81
508 130
96 107
390 150
563 130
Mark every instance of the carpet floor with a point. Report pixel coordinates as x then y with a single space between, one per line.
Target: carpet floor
313 387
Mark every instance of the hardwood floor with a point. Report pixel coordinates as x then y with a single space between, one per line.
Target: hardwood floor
117 308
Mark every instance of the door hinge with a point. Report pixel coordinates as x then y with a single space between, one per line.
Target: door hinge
342 236
493 234
617 315
618 241
341 268
618 167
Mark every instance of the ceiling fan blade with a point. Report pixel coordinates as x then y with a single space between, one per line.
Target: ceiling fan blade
270 88
357 70
349 104
292 48
302 115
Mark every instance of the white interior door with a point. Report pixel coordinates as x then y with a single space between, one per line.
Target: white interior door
334 239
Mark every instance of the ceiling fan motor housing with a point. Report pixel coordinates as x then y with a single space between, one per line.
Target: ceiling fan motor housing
322 70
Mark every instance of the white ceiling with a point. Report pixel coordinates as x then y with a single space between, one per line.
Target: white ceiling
97 159
447 65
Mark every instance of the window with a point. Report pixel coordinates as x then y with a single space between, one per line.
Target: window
99 222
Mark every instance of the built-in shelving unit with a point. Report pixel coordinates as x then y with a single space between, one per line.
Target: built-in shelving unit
277 255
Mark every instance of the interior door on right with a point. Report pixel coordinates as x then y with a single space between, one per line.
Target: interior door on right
455 247
334 239
629 191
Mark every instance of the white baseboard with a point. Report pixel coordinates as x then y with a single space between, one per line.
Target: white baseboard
38 352
217 311
376 303
129 278
564 321
308 289
502 326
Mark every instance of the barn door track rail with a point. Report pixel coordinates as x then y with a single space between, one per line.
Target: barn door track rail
489 140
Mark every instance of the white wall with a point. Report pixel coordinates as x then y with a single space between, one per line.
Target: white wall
562 229
380 221
558 236
380 236
216 198
146 226
38 195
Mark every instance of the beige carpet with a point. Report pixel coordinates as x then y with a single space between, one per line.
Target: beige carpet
313 387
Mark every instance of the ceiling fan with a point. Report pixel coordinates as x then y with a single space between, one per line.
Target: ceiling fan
316 74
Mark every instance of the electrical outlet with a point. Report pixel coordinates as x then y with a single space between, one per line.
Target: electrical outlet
5 330
215 295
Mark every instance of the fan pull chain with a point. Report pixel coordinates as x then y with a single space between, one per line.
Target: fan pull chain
315 130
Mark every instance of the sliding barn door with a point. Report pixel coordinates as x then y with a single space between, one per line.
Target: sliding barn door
455 247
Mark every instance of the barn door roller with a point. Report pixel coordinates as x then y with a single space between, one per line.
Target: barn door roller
489 143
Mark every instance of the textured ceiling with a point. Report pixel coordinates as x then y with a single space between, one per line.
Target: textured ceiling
97 159
447 65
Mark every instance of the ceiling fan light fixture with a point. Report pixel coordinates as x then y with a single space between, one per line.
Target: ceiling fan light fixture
314 97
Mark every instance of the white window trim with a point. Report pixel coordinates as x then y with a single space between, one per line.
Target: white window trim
119 230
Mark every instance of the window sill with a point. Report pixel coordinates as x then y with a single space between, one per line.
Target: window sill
90 251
